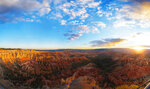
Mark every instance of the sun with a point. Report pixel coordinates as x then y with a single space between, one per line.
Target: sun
138 48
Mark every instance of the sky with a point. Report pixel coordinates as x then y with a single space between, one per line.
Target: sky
76 24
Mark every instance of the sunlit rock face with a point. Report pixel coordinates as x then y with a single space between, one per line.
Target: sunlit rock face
83 78
84 82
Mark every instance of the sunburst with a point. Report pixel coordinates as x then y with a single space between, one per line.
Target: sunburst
138 48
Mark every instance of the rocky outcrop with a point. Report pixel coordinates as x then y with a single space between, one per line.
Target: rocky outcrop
84 78
84 82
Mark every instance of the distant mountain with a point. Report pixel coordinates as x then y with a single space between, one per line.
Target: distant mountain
122 50
103 49
58 49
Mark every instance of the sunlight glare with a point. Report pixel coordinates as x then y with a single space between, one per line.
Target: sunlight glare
138 48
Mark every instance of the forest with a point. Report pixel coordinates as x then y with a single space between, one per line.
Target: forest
73 69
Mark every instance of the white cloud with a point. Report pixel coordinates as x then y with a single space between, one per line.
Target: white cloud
56 2
80 13
59 15
124 23
107 14
87 29
95 29
124 0
78 9
131 16
20 8
63 22
84 16
85 1
83 28
75 22
29 20
27 5
33 16
101 24
44 11
77 13
100 13
94 4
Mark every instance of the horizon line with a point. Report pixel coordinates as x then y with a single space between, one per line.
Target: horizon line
70 48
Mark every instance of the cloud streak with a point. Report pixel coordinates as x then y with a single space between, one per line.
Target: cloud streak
109 42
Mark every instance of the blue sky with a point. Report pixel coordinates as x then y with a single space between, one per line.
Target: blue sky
56 24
